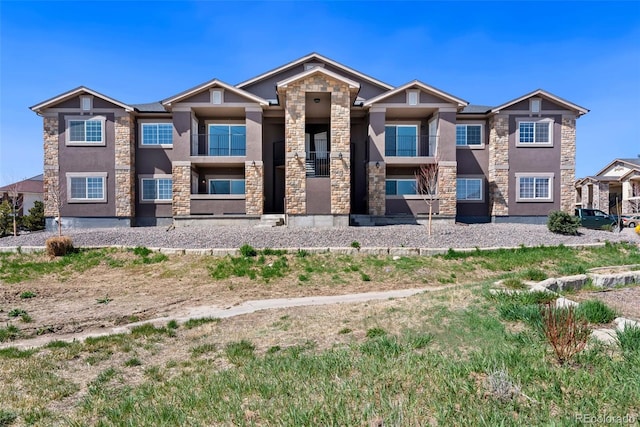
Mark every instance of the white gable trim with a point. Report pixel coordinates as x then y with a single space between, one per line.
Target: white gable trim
318 70
74 92
211 84
420 85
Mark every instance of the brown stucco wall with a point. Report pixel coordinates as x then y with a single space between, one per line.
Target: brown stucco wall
217 207
318 196
88 159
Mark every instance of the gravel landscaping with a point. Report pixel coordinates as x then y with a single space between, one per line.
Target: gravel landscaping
411 236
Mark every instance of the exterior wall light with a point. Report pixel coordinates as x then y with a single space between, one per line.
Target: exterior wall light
316 100
340 156
378 165
296 155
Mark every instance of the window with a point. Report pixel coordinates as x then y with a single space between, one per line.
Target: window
85 103
157 134
216 96
157 189
469 135
227 140
400 187
400 140
86 187
534 187
535 132
412 97
226 186
469 189
535 105
85 131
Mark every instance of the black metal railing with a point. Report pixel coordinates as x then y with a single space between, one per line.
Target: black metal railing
410 146
219 145
317 163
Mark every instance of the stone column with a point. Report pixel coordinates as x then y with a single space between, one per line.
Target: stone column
567 163
181 174
447 174
499 166
52 184
601 196
254 179
295 174
125 167
340 145
376 173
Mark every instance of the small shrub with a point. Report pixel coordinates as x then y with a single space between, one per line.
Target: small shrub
365 277
192 323
142 251
303 277
35 220
58 246
248 251
302 253
10 332
563 223
355 244
27 295
629 339
566 333
17 312
595 311
500 386
534 274
172 324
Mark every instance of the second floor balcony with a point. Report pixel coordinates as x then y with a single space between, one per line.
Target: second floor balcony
410 145
221 145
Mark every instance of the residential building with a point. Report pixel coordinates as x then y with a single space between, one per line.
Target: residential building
28 192
313 142
615 189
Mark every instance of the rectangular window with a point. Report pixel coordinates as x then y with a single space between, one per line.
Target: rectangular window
469 189
85 131
412 97
157 189
157 134
400 140
227 140
400 187
534 132
89 188
85 103
226 186
468 135
216 97
535 188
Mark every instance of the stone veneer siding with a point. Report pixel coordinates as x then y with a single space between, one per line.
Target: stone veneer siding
125 167
447 173
51 167
499 166
340 143
181 174
295 120
567 164
376 188
601 196
254 177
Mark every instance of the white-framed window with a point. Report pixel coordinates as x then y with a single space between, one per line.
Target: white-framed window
85 131
227 140
469 135
534 132
469 189
216 96
227 186
400 140
400 187
534 187
156 188
87 187
413 97
156 134
535 105
86 103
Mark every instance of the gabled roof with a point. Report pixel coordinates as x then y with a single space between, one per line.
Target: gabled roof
74 92
213 83
318 70
310 58
29 185
545 94
424 87
629 174
632 163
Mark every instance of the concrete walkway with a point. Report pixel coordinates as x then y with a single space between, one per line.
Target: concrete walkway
213 311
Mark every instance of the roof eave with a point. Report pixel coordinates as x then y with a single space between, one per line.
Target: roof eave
38 108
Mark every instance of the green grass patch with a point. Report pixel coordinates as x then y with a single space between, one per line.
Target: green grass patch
201 349
16 353
9 332
239 352
595 311
629 340
27 295
193 323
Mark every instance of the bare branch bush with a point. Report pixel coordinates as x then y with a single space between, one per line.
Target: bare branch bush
427 186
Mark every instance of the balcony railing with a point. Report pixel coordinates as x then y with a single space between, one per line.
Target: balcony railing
317 163
219 145
410 146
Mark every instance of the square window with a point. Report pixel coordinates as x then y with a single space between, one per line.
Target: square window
534 188
156 189
535 132
157 133
227 140
469 189
400 140
468 135
85 131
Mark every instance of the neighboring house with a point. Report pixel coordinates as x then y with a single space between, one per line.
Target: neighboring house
28 191
314 142
615 188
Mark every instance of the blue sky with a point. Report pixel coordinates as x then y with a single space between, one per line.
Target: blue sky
485 52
